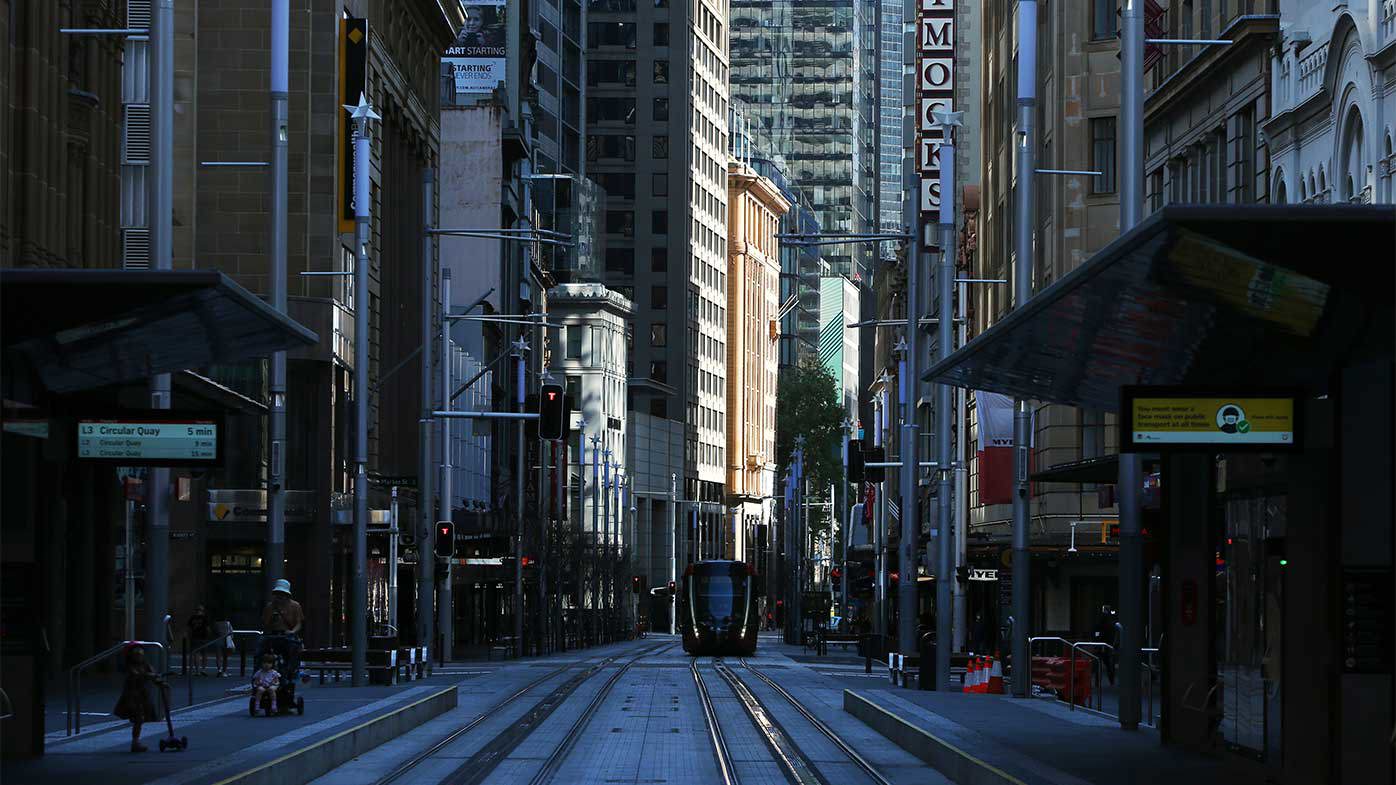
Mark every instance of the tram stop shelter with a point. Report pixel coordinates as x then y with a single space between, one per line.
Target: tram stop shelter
1276 642
84 342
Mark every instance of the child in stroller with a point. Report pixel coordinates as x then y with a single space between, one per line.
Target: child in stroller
284 653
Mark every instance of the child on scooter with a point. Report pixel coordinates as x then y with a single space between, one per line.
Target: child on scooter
266 682
135 703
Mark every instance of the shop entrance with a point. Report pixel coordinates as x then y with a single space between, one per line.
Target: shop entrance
235 587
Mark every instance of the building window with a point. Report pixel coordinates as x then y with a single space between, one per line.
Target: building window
659 335
661 109
601 147
1156 190
659 260
574 341
659 371
659 297
610 72
573 389
611 34
1103 154
1103 21
661 34
620 260
659 185
620 222
611 110
661 72
659 222
660 147
659 407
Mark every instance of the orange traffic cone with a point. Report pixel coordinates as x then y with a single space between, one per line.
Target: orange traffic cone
969 678
978 673
983 676
995 677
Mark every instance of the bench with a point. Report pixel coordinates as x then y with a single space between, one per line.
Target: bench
507 645
383 663
842 638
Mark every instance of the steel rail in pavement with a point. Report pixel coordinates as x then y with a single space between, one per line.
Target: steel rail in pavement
798 768
720 751
838 741
562 750
464 729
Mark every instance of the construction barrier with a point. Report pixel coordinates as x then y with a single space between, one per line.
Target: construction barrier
1050 673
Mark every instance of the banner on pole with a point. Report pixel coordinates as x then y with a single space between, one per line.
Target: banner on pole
936 85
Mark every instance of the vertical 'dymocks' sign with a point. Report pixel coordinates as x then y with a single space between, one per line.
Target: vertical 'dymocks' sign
936 67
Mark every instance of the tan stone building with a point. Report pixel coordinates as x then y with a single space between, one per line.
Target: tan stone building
1078 90
755 207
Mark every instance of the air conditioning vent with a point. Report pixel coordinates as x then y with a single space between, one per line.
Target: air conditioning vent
136 144
138 13
135 249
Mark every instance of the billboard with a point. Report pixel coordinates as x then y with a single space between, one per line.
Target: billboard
476 61
1162 418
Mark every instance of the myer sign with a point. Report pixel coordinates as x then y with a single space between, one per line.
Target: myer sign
936 70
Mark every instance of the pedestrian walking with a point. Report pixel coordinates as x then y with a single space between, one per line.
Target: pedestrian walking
135 703
199 629
1105 631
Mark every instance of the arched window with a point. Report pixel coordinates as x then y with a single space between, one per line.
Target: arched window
1322 180
1354 160
1313 185
1390 165
1279 197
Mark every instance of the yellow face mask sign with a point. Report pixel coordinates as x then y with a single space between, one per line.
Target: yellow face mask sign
1158 420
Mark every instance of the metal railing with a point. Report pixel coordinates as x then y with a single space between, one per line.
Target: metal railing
220 642
75 678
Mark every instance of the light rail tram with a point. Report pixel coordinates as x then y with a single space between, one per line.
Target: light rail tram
718 608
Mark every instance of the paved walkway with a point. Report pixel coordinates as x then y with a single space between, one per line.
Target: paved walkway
1043 741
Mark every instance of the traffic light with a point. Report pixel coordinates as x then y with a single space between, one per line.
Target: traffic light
445 539
552 412
855 460
874 473
637 584
672 590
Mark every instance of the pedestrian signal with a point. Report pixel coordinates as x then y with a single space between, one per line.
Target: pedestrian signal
552 412
445 539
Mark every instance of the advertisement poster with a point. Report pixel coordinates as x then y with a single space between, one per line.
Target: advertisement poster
1216 422
477 59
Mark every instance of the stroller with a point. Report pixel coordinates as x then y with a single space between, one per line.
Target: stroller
286 648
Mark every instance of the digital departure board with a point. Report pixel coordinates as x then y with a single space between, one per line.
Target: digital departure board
157 439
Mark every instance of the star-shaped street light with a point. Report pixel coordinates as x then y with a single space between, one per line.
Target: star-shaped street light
363 112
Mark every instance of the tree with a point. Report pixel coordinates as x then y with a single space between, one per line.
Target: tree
807 404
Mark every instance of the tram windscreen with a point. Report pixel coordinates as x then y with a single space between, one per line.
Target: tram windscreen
714 596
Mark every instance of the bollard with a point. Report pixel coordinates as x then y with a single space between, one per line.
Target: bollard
867 654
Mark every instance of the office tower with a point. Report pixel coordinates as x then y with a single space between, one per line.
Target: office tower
656 141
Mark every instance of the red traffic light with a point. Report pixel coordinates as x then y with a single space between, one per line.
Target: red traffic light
445 539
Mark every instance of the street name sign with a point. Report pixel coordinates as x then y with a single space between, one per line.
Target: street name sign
154 439
1170 418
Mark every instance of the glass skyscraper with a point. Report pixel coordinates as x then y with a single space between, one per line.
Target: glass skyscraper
804 71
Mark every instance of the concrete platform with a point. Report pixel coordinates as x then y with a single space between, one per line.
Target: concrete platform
226 745
998 740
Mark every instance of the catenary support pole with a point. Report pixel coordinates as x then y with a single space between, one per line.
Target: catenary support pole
606 541
673 550
1022 290
1130 472
962 621
157 566
276 480
394 529
847 516
426 523
880 522
945 525
358 610
520 467
918 260
445 502
596 628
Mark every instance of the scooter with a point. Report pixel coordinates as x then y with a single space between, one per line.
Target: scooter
172 742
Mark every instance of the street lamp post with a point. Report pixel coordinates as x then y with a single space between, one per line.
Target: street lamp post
276 494
945 282
596 629
520 346
446 503
362 113
673 550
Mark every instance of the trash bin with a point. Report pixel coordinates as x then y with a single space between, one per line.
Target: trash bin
927 673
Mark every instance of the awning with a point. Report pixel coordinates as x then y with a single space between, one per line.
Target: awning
1105 470
81 329
1216 295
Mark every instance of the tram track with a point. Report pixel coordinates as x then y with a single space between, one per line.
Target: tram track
719 741
559 754
799 768
478 767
